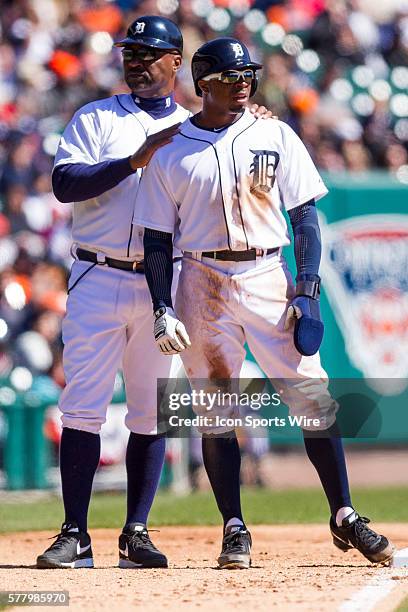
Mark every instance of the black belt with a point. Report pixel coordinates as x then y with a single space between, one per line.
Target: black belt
129 266
249 255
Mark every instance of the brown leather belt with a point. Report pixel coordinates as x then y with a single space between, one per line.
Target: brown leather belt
249 255
129 266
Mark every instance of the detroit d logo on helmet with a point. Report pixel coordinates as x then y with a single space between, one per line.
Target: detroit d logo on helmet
263 168
238 50
139 27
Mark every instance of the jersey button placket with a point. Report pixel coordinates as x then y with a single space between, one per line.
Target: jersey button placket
227 185
238 237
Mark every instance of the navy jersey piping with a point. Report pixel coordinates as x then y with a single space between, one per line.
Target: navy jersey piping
143 128
219 173
236 181
215 130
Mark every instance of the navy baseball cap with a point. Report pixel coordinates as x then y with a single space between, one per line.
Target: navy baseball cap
153 31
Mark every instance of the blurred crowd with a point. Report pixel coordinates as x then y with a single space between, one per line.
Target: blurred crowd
336 70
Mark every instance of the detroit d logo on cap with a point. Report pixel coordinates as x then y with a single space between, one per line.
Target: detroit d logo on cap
139 27
237 49
263 167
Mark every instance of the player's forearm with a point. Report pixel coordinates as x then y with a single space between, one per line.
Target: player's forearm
304 308
158 262
79 182
308 246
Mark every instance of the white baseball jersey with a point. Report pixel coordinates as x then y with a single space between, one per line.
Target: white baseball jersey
108 323
225 189
96 134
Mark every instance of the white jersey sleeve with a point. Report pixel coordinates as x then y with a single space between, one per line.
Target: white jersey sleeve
298 178
81 139
156 206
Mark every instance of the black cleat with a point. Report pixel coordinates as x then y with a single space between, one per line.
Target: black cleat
72 548
354 533
236 549
137 550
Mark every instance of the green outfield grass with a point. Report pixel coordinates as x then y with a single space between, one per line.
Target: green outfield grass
403 607
260 506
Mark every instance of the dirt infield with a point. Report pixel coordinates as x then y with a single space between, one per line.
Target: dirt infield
294 568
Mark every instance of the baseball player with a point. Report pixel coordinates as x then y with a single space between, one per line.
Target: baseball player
98 166
218 190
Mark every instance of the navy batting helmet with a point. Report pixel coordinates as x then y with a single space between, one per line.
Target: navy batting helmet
221 54
153 31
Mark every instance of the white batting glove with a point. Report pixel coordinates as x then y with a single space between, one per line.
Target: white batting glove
170 333
293 313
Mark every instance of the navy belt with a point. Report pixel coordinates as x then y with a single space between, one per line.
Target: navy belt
129 266
249 255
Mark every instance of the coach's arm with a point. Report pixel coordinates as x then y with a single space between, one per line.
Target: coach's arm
77 182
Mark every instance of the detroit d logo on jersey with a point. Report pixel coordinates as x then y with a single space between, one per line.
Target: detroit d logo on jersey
263 168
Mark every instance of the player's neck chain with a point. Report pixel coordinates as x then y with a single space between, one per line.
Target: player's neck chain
156 107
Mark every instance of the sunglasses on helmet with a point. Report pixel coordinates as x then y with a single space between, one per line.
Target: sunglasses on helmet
231 76
144 54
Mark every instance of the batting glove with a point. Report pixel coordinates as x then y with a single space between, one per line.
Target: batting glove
170 333
304 312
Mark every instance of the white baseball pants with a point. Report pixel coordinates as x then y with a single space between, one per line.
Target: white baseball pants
225 304
108 326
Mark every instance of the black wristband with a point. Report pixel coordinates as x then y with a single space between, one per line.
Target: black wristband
160 312
308 288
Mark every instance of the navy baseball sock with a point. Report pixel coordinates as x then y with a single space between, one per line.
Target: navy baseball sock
222 461
79 459
144 463
327 456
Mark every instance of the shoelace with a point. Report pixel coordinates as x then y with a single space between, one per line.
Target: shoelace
62 538
232 539
364 533
140 538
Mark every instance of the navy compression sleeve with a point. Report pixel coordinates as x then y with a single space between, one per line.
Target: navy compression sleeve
308 246
79 182
158 262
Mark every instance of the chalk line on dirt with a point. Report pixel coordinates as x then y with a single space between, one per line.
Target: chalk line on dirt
377 589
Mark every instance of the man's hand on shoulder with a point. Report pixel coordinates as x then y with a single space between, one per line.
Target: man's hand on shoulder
142 156
261 112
